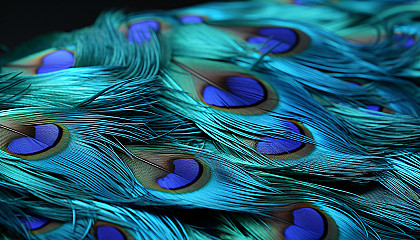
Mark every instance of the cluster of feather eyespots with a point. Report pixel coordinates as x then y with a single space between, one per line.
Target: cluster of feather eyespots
167 172
50 60
35 141
37 225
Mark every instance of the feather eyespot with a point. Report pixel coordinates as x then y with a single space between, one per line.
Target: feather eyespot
238 93
39 225
297 2
55 61
303 221
140 30
355 83
50 60
241 91
274 146
273 40
280 41
306 222
34 142
186 172
417 192
167 172
34 223
108 231
378 109
226 87
406 40
284 148
191 19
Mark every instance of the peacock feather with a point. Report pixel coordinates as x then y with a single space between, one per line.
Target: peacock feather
296 120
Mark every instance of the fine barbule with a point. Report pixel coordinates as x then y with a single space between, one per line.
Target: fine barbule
259 119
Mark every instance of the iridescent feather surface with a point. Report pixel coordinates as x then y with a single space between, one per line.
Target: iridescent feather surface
295 120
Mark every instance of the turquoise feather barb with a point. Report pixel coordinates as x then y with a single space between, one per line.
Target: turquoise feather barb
295 120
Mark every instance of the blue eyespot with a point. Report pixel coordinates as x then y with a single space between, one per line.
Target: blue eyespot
279 40
280 146
140 31
308 224
240 92
109 233
34 222
186 172
46 136
190 19
55 61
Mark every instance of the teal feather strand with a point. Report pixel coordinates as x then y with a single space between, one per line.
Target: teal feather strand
380 132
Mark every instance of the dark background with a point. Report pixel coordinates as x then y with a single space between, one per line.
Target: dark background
22 20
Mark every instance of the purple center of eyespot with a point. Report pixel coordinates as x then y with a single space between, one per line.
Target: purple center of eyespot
355 84
109 233
34 222
242 92
408 39
374 108
140 31
308 224
46 136
299 2
417 191
189 19
277 145
186 172
279 40
55 61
